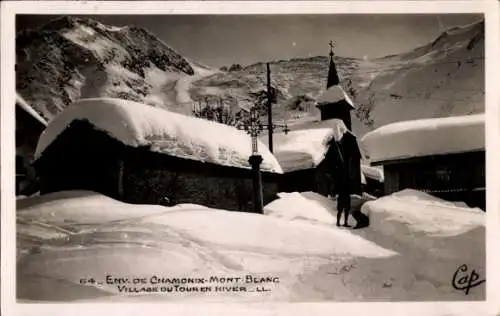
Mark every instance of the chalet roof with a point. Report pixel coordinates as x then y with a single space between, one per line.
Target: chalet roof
334 94
135 124
305 148
27 108
426 137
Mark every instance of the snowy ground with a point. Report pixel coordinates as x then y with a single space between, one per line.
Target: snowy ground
432 238
69 236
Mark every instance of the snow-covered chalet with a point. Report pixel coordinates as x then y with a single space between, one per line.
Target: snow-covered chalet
441 156
141 154
313 152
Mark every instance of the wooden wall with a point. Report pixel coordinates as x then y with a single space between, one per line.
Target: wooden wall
149 180
81 158
453 176
339 110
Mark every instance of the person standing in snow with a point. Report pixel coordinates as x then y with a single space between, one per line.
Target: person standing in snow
339 174
346 162
344 193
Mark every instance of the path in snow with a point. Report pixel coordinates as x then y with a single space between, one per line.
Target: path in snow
410 251
432 237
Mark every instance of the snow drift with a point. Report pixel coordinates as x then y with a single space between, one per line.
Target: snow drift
303 206
426 137
424 213
66 236
433 238
135 124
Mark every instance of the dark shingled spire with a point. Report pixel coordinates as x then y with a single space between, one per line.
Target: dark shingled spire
333 77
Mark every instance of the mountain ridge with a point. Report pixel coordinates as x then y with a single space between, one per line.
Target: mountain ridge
70 58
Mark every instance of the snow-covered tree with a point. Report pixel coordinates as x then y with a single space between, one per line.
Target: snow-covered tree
218 112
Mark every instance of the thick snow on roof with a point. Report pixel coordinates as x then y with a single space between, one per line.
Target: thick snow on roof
66 235
375 173
305 148
426 137
334 94
166 132
23 104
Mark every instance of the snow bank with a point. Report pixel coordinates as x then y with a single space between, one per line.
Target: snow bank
307 206
66 236
296 206
334 94
425 213
426 137
375 173
81 206
304 149
137 124
432 238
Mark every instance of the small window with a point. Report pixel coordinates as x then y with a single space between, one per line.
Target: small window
443 174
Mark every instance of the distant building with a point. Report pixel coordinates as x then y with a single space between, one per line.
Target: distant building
443 156
29 126
141 154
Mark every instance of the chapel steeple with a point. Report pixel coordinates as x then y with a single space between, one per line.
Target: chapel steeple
333 77
334 103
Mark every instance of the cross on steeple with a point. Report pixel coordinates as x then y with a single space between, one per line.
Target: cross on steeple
333 77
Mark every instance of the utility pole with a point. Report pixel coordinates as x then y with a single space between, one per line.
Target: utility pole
269 109
253 126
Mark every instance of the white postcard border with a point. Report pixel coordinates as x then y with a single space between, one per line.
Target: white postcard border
7 124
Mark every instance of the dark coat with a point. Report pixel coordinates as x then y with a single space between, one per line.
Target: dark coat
344 164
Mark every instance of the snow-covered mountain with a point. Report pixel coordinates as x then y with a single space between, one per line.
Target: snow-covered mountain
440 79
71 58
298 83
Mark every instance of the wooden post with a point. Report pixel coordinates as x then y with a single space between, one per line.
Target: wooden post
269 109
120 179
255 161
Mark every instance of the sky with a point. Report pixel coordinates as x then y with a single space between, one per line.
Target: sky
218 40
